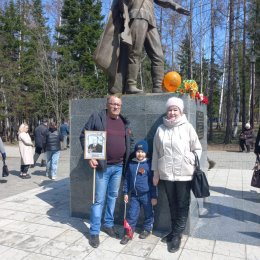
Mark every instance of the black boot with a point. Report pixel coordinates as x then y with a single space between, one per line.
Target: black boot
174 244
167 238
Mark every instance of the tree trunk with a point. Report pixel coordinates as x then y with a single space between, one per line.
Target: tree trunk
212 62
243 71
236 72
220 110
228 134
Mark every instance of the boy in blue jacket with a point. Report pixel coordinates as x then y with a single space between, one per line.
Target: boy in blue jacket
139 184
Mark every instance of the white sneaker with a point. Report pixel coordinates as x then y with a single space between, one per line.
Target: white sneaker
53 177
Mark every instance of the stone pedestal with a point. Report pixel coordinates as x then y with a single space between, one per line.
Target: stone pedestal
145 113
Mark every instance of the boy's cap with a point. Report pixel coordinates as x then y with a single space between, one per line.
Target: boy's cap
141 145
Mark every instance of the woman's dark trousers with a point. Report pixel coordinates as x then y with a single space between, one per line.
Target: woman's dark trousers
178 194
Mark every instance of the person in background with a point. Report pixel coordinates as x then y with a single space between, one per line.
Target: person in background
53 147
257 143
119 145
173 162
64 131
2 150
246 138
139 183
26 150
40 133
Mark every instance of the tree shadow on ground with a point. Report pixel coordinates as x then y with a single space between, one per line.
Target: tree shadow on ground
57 195
245 195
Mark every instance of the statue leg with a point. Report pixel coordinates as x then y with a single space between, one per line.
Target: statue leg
138 33
132 79
153 48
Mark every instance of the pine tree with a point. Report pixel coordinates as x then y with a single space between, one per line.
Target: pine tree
78 37
9 49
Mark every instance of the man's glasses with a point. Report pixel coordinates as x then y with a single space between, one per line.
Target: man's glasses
115 104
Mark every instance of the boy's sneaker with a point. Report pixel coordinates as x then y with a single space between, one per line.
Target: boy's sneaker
125 240
144 234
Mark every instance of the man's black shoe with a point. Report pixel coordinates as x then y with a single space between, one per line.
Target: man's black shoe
175 243
144 234
125 240
94 241
111 232
167 238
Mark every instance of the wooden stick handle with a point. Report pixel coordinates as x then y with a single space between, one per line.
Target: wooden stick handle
94 184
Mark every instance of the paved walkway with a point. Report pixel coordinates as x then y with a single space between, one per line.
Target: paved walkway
35 221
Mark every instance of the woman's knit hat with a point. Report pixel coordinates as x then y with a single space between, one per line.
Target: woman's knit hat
174 101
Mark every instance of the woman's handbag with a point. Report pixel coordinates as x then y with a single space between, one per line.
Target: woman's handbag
255 182
5 172
199 183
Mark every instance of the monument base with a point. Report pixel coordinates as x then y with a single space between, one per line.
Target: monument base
145 113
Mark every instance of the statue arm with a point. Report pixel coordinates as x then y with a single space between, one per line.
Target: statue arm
172 5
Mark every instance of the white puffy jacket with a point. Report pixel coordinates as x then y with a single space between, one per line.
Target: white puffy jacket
173 144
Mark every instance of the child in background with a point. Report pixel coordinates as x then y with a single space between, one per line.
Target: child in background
139 183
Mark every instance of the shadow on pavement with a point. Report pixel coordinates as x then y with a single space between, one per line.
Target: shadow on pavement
57 195
217 210
247 195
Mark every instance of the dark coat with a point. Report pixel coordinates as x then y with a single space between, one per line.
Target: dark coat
257 142
53 140
248 136
139 179
97 122
40 134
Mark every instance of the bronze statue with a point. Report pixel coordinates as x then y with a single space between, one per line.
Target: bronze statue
131 26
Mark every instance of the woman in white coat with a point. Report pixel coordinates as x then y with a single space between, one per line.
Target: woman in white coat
174 163
26 150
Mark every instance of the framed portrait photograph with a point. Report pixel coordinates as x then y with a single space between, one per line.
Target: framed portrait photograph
95 145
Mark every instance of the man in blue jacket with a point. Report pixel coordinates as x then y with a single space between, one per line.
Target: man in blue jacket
64 131
119 145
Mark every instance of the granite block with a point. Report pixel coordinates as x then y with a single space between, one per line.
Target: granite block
145 113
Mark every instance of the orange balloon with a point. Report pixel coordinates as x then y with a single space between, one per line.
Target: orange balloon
171 81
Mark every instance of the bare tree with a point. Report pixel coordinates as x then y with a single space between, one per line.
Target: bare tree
212 71
244 65
228 133
236 71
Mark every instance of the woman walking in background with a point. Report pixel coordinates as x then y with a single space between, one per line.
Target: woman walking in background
53 148
26 150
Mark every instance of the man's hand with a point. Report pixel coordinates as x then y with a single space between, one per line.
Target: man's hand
126 198
93 163
154 202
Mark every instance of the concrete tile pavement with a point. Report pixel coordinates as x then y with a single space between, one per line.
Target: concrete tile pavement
35 221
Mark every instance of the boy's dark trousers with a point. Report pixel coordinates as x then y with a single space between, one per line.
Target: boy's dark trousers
136 202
